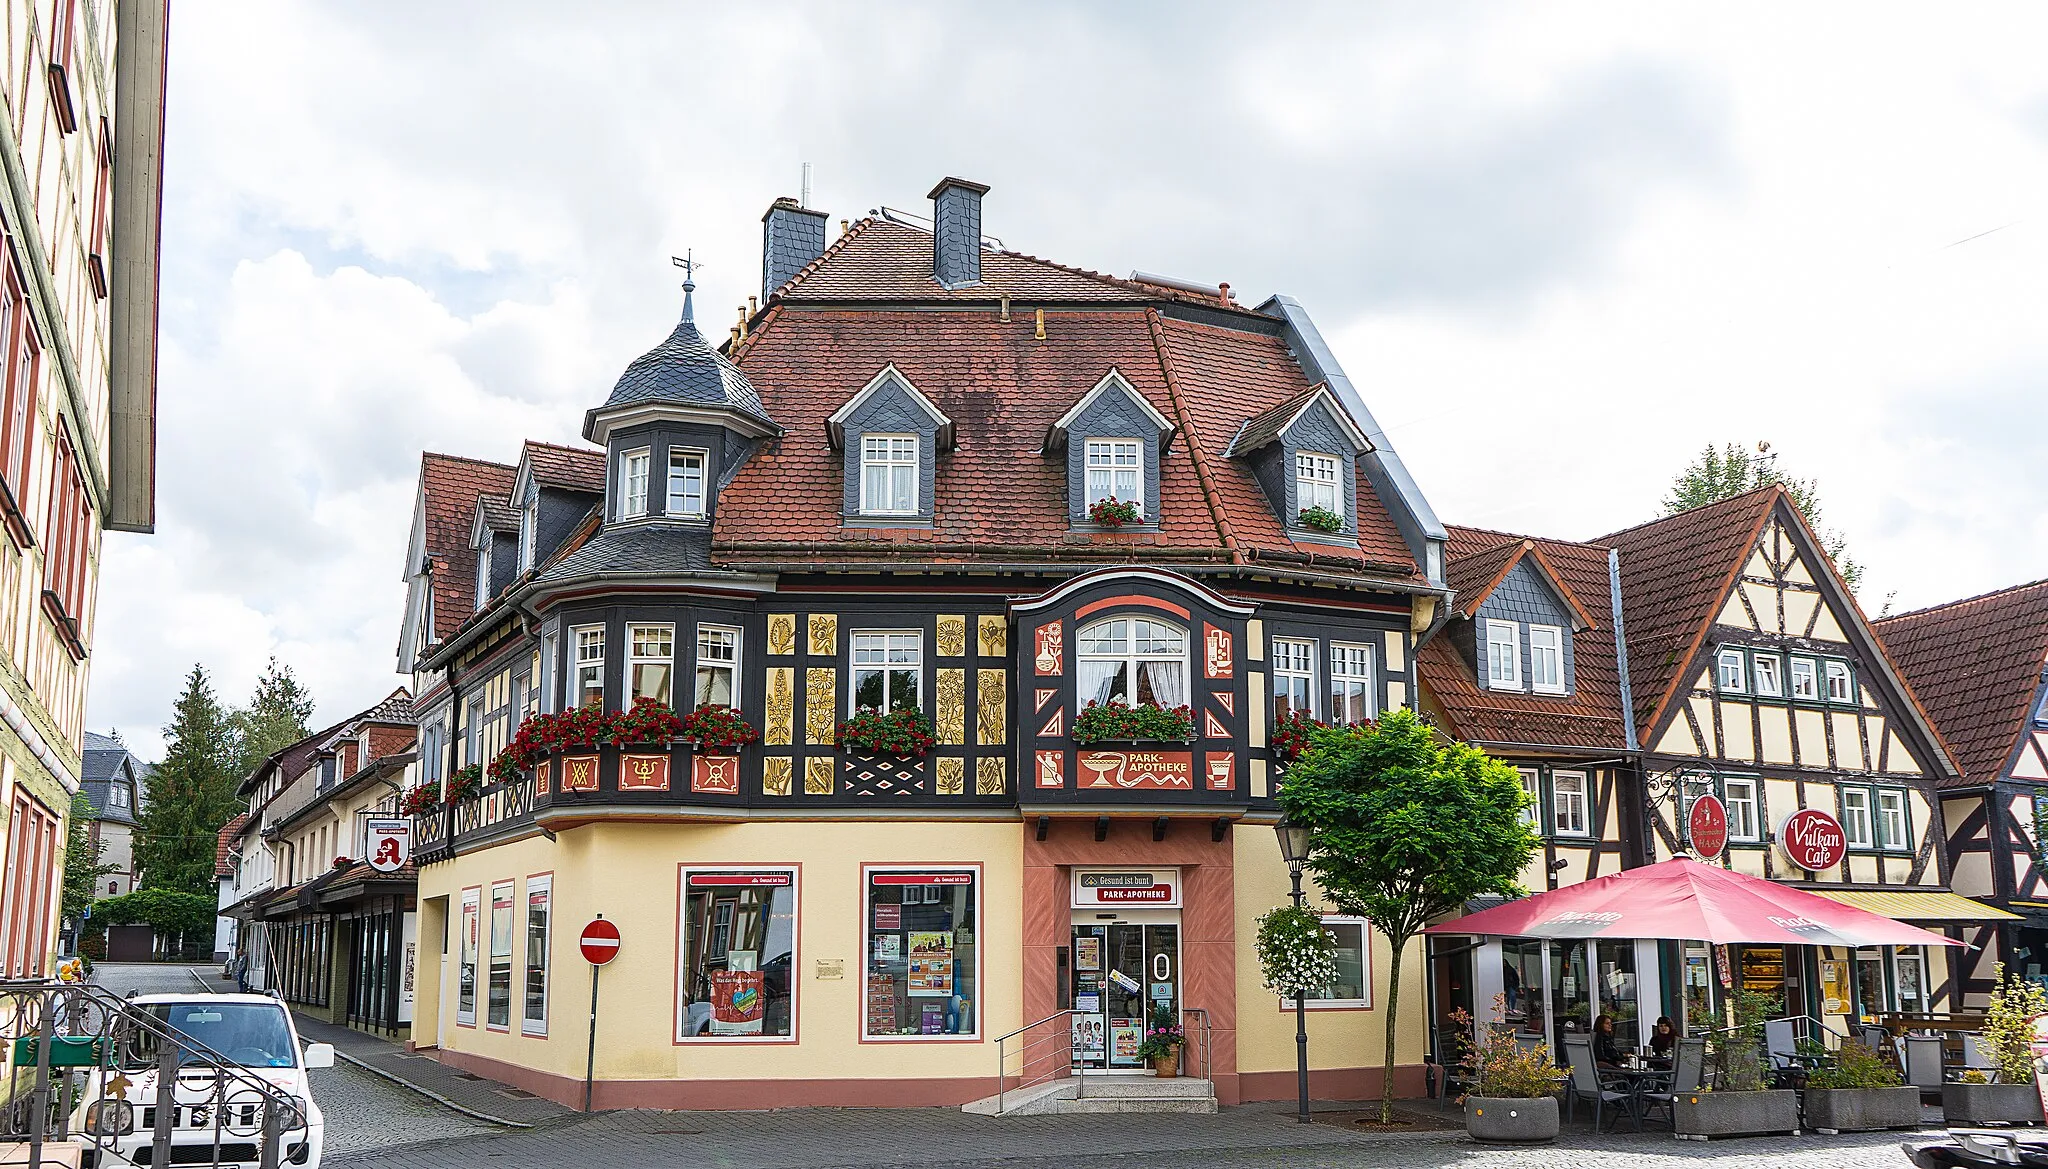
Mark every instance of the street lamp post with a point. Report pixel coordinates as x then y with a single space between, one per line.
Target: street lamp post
1294 850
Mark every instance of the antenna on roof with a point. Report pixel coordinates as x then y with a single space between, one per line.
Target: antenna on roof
689 264
804 199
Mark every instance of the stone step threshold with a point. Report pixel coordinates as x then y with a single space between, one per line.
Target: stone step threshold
1074 1095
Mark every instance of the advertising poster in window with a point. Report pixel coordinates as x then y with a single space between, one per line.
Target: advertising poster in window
1087 953
1087 1038
931 964
1124 1037
738 1003
1834 984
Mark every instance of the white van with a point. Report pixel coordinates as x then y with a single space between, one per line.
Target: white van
255 1032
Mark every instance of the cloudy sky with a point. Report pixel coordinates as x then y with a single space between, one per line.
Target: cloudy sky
1558 247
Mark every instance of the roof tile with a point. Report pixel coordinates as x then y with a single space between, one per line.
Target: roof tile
1975 665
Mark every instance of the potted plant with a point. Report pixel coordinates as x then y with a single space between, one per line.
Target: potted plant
2008 1040
1321 519
464 783
1112 512
1512 1091
1291 732
419 801
716 728
1118 721
1162 1043
903 733
1854 1090
1738 1104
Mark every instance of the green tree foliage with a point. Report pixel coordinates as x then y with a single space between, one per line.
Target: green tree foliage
82 867
1727 471
191 794
1405 829
174 914
276 717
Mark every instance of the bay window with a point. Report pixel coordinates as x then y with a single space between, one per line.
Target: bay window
589 641
718 665
737 942
652 662
920 937
1133 660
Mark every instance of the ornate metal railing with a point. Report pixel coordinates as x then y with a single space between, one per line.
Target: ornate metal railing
83 1069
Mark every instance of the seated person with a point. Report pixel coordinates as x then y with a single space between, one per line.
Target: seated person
1606 1053
1663 1041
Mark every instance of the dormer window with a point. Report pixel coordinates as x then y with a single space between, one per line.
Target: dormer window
686 483
117 797
633 483
1116 470
1503 655
1318 482
483 574
888 474
529 532
1546 659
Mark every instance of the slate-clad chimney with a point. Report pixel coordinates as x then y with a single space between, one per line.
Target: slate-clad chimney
956 232
792 235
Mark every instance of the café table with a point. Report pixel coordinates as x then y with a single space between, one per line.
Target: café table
1638 1082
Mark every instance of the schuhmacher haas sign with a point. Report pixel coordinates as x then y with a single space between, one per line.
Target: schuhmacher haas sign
1813 839
1707 827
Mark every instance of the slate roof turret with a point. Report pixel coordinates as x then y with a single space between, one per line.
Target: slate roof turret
684 370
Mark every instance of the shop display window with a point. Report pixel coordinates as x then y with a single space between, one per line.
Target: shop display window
539 907
499 1004
921 928
737 940
465 976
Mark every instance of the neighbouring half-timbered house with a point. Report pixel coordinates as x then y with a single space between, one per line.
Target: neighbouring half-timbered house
924 481
1980 666
1527 667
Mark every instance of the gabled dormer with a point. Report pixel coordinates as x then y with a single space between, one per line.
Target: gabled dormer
494 537
556 486
1112 440
678 424
888 435
1305 454
1520 618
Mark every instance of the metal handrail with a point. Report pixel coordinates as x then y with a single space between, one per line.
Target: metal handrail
1208 1037
1024 1080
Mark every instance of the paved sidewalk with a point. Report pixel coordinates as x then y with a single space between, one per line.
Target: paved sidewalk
423 1072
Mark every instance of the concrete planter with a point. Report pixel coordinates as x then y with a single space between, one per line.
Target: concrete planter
1836 1110
1700 1116
1990 1104
1511 1122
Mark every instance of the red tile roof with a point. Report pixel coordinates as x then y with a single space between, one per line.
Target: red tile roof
1591 717
566 468
450 485
878 259
224 847
1675 574
998 493
1975 665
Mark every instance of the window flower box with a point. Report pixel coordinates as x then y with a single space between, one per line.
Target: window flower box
1321 519
718 729
1113 512
1291 735
464 784
648 723
901 733
420 801
1115 721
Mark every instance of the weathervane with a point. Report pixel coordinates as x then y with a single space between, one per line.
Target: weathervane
689 264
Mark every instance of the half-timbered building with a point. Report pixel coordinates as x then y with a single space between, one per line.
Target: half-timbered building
922 476
1980 666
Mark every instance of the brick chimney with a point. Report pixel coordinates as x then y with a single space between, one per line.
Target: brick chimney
792 235
956 232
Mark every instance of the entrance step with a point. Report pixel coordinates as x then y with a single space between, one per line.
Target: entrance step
1102 1094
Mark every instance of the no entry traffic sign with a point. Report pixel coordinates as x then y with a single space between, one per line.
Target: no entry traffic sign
600 942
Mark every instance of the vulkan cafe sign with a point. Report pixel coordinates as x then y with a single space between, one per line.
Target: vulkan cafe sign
1813 839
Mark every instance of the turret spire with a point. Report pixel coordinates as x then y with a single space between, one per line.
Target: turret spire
689 266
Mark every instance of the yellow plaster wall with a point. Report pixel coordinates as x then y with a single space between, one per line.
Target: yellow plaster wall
628 872
1336 1038
1738 737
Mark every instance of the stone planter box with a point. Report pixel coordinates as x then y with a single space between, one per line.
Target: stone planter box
1990 1104
1838 1110
1700 1116
1511 1122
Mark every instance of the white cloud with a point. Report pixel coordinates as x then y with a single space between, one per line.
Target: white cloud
1559 248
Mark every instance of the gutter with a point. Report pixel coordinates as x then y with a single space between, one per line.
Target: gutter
18 719
1628 695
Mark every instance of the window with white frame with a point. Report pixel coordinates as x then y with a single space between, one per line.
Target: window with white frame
633 483
1116 470
685 483
1318 482
533 1018
1765 677
483 574
1294 677
1503 655
718 665
1734 667
1532 783
1546 659
1133 660
465 962
1351 693
498 999
1892 830
888 671
1841 685
1805 679
1745 815
888 474
550 698
1568 797
1856 817
589 642
529 532
652 664
1352 988
2041 711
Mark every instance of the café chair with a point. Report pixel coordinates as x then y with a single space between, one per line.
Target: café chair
1923 1062
1587 1083
1688 1071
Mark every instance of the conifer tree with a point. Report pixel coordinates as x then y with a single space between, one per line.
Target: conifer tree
275 718
191 793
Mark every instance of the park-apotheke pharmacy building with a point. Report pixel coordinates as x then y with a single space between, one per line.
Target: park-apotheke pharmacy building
875 493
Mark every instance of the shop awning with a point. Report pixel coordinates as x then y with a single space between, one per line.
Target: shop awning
1685 900
1918 906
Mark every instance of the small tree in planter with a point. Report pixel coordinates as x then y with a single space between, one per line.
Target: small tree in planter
1116 720
903 733
1512 1093
1854 1090
716 728
1738 1104
2008 1039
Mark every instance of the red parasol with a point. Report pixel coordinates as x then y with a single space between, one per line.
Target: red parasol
1686 900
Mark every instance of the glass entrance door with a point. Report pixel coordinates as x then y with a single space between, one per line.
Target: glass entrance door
1125 974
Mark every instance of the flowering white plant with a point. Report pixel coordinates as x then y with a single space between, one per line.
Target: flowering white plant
1296 953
